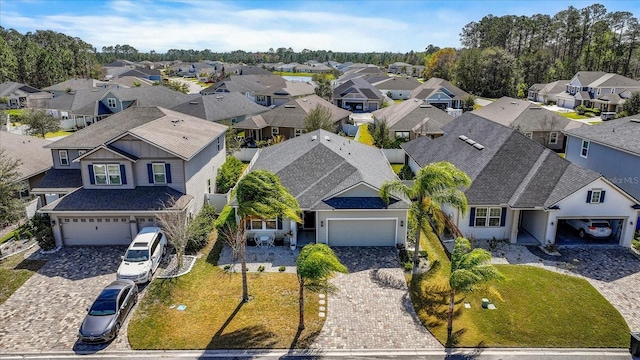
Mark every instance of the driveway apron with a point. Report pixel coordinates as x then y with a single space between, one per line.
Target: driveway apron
372 308
46 312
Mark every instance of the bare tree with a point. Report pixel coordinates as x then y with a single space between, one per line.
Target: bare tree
174 222
235 236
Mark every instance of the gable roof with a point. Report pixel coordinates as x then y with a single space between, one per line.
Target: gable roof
621 134
414 115
13 88
397 83
221 106
34 158
587 77
152 96
525 116
290 88
434 85
318 165
357 88
81 101
292 114
74 84
510 168
180 134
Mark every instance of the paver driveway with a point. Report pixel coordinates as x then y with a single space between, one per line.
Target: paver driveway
46 312
372 308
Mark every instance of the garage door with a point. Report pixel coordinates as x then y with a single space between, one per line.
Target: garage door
362 232
95 231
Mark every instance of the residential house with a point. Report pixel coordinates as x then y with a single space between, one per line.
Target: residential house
130 166
547 93
413 118
605 91
521 191
315 68
279 95
611 148
358 95
228 108
535 122
144 73
288 120
248 85
400 68
442 94
397 88
291 67
20 96
34 159
248 70
336 182
72 85
360 72
127 82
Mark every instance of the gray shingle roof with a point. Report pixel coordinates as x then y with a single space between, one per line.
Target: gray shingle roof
34 158
180 134
290 88
433 85
314 170
142 198
397 83
511 169
60 180
220 106
524 116
620 134
360 87
413 115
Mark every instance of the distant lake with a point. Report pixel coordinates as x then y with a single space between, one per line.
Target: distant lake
297 78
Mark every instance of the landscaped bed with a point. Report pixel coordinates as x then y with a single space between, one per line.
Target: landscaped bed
539 308
214 317
15 271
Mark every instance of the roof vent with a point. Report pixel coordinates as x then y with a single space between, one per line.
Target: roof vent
470 141
635 120
478 146
535 108
305 99
463 138
219 97
514 103
314 138
416 100
289 106
426 106
327 138
193 102
175 121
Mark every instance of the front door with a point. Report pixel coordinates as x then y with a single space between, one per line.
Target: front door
309 220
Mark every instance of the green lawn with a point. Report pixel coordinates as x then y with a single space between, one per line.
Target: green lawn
397 101
16 111
595 122
539 308
364 136
57 133
215 318
573 115
15 271
397 167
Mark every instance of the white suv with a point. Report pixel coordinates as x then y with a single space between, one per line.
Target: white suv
594 228
143 255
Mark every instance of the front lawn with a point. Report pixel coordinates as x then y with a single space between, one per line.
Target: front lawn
540 308
214 317
56 134
364 136
15 271
573 115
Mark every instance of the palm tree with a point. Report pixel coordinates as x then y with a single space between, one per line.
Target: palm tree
260 195
316 264
435 185
469 269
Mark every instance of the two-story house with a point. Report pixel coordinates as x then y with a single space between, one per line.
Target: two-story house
129 167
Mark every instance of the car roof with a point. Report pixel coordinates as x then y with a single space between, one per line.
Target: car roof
144 237
112 290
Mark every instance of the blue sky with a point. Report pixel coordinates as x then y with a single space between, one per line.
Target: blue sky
397 26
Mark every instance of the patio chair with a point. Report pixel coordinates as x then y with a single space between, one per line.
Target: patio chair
256 239
271 241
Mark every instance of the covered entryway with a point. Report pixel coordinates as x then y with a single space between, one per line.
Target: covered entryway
361 232
79 231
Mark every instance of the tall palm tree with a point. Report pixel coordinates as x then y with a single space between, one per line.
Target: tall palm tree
435 185
469 270
260 195
316 264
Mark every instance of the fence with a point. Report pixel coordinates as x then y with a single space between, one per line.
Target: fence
245 154
394 156
218 200
350 130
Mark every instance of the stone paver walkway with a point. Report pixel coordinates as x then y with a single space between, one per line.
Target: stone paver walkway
46 312
372 308
614 271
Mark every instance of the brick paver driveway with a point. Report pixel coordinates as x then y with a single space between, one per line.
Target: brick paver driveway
372 308
46 312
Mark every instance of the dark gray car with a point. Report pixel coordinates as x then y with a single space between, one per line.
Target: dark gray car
106 315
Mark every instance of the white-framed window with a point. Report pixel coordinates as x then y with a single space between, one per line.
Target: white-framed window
107 174
64 157
584 152
275 131
553 138
260 98
111 102
528 134
269 224
596 196
299 132
402 134
159 173
488 217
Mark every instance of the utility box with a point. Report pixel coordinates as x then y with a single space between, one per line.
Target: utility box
485 303
634 346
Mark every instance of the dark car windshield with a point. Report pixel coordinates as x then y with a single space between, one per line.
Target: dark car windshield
137 255
600 224
103 307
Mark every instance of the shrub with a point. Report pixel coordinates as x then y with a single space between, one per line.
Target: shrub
40 227
282 268
581 109
404 256
407 266
228 175
227 267
422 254
200 228
406 173
227 216
260 268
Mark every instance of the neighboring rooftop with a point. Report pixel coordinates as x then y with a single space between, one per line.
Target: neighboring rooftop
622 134
220 106
415 115
34 158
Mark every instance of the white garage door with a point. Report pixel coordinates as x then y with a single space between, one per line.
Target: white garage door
362 232
95 231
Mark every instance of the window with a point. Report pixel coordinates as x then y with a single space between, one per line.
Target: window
402 134
490 217
596 196
107 174
111 102
299 132
81 152
528 134
260 98
553 138
159 174
585 149
275 131
64 157
208 186
269 224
